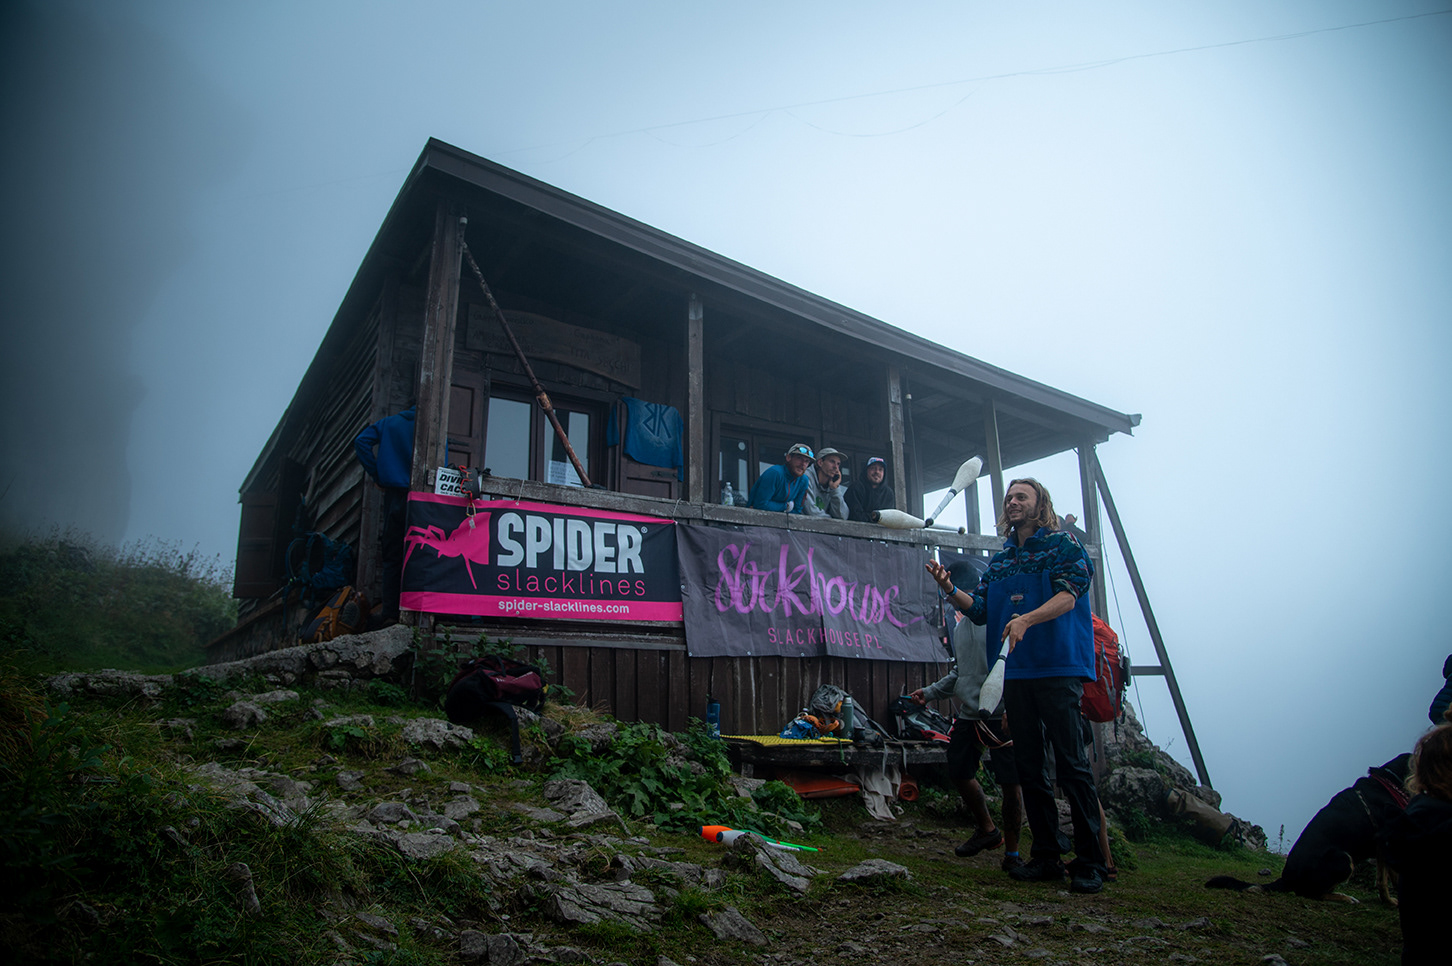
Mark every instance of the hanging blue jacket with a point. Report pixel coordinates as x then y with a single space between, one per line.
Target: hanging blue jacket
775 487
393 435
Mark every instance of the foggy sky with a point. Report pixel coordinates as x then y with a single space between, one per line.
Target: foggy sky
109 135
1232 217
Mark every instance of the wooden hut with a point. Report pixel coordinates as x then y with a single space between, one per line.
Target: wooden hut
606 309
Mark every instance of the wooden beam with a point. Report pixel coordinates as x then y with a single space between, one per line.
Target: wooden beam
436 362
915 501
895 436
695 401
993 455
1149 619
1092 527
371 512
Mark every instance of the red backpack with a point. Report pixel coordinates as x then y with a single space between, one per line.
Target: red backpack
1104 696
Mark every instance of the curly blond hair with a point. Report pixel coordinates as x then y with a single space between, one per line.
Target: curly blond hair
1043 516
1432 762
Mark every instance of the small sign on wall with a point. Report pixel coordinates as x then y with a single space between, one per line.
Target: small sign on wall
447 481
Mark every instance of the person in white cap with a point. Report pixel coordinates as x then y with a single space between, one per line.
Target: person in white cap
783 488
824 486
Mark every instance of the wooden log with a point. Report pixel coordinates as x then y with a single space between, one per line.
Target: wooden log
994 455
895 437
436 366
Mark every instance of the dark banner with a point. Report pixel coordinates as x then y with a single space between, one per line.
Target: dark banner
503 558
759 591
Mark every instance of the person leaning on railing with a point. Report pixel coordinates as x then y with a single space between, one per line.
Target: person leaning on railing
783 488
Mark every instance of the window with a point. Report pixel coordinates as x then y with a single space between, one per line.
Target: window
523 445
506 450
743 455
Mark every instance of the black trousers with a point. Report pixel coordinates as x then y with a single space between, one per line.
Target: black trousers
390 545
1044 712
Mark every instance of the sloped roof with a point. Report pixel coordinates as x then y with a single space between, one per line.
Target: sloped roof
1036 419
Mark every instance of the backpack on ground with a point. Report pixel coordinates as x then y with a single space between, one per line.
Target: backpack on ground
344 611
1104 696
918 722
493 678
495 684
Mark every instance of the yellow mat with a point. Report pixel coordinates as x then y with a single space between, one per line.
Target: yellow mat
779 740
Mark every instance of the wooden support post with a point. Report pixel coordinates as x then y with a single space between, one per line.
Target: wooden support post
915 500
436 363
994 455
895 435
436 358
1093 528
1149 619
696 462
370 517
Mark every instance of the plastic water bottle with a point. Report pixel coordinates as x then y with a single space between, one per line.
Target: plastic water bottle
728 498
713 716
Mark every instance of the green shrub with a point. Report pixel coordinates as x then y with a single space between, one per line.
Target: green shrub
386 694
640 779
1137 825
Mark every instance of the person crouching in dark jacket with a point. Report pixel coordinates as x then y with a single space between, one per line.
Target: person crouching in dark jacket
871 493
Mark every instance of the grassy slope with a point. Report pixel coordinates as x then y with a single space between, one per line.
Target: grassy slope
163 900
70 603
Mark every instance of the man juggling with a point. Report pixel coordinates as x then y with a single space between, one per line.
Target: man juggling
1034 599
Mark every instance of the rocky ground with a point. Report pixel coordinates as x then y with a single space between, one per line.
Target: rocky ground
561 876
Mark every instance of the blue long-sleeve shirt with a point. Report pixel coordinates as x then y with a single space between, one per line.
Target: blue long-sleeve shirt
775 487
393 435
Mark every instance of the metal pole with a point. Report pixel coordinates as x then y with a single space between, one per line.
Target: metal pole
1149 619
539 394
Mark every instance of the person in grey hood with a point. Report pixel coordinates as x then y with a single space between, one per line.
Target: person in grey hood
974 730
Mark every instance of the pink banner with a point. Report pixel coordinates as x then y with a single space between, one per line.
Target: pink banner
506 558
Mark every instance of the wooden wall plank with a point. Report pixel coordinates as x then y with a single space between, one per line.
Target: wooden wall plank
678 690
575 670
744 696
774 713
858 683
602 679
651 684
627 683
882 693
792 690
698 687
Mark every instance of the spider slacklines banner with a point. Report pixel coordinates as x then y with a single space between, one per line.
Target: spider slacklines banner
763 591
504 558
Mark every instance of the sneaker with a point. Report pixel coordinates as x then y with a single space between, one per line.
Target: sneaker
1011 862
1086 883
983 840
1039 870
